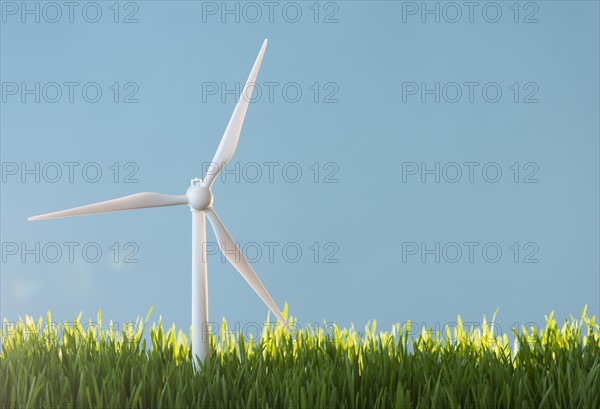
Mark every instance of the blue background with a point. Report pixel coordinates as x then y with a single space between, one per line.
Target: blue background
372 49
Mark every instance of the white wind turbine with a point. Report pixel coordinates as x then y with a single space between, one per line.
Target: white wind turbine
199 197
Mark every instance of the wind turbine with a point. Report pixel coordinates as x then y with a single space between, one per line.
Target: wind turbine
199 197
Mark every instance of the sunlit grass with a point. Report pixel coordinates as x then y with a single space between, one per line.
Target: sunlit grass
81 365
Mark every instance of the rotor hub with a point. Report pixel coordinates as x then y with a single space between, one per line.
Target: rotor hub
199 196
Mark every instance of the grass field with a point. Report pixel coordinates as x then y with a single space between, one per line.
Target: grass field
75 367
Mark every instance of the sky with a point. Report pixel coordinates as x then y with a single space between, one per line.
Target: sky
399 160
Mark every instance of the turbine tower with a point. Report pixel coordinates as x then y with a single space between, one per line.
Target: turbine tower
199 198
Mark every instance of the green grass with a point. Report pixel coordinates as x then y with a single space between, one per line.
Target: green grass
71 367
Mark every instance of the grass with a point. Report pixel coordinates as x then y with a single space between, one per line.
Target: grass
75 367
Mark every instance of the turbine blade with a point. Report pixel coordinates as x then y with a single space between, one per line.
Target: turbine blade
137 201
232 252
231 136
